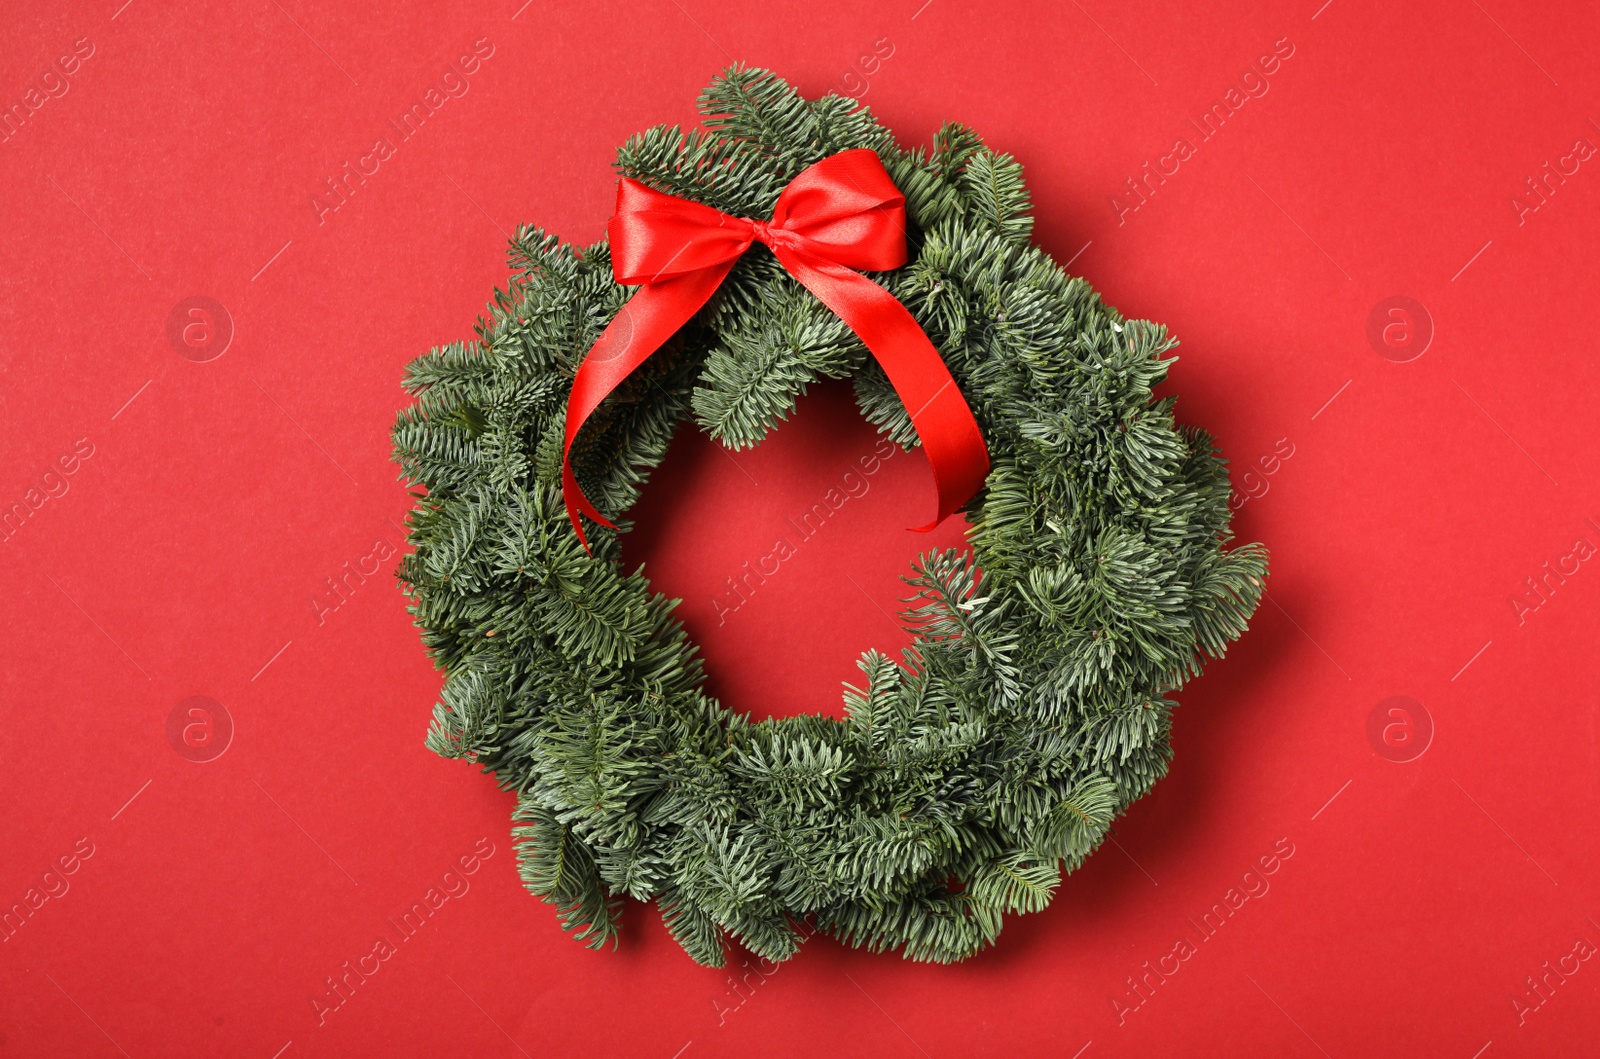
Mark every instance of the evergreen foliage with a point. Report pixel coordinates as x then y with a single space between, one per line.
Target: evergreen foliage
1035 704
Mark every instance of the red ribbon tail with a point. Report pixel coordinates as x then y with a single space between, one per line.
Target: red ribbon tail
957 476
578 503
649 318
950 434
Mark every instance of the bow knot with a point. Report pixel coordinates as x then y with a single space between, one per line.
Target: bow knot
762 231
838 218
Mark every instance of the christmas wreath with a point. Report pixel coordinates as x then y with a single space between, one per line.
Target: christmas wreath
1035 702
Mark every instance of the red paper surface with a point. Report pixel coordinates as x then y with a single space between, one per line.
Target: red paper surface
1409 482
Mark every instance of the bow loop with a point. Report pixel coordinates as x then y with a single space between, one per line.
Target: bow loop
838 218
849 213
655 236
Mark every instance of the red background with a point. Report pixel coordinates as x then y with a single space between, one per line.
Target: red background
186 553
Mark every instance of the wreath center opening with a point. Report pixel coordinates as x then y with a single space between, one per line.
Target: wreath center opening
788 556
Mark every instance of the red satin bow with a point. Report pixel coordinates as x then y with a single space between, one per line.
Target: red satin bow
841 215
